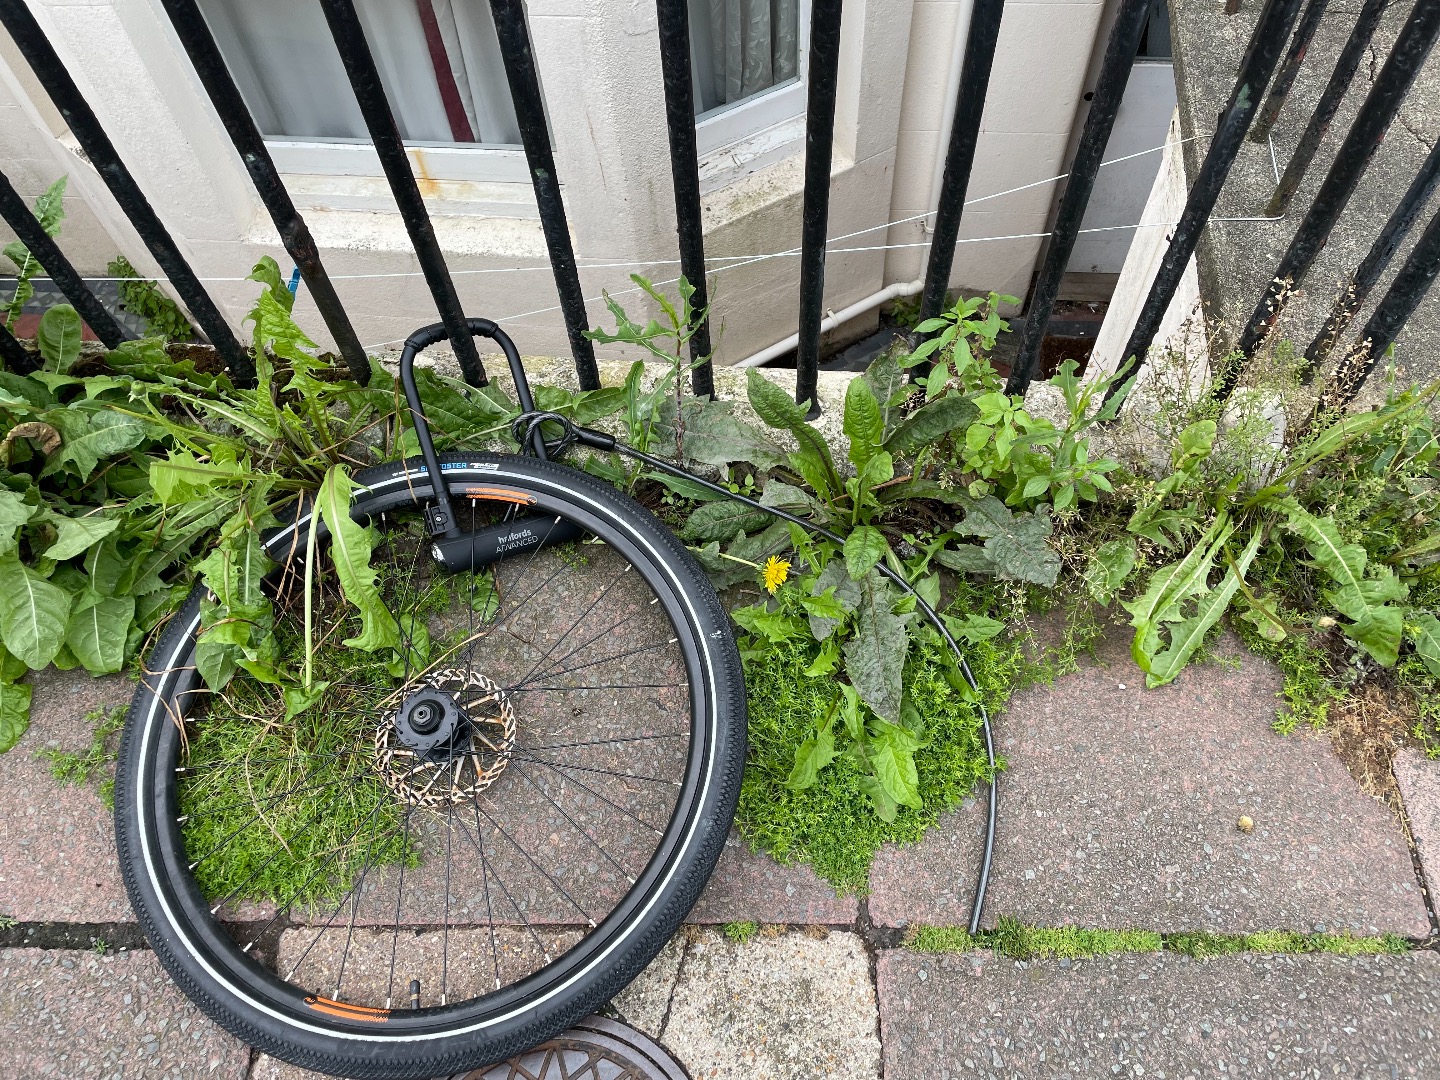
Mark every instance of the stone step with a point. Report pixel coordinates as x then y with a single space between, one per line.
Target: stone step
1159 1015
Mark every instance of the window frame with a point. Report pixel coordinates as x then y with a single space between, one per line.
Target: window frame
722 130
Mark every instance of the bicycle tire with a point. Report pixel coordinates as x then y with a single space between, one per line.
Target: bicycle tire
232 983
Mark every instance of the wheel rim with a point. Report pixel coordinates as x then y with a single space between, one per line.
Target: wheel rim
543 921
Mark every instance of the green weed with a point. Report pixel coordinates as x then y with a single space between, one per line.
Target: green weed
741 932
831 824
78 770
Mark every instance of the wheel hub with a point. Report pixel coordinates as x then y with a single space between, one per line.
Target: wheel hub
451 738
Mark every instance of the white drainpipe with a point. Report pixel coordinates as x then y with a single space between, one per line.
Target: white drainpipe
902 288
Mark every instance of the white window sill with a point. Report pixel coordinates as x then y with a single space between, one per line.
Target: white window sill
481 164
729 164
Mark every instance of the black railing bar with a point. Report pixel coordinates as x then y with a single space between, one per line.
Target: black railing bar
101 152
349 38
674 19
822 82
518 55
1388 91
48 254
1289 69
1355 291
209 65
17 358
1387 320
975 68
1334 93
1261 54
1110 85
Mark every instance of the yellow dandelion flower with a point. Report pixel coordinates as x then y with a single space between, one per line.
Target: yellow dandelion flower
774 573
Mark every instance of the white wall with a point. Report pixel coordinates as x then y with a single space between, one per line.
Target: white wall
1036 84
600 73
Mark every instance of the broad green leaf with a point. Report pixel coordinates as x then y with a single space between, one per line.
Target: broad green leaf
824 605
300 698
235 570
967 559
1109 566
826 660
14 713
722 520
714 435
98 628
267 272
12 668
783 496
774 626
885 807
1015 543
77 535
835 582
14 512
180 478
875 654
50 207
1425 633
1187 635
812 755
812 459
890 385
1367 600
1169 588
33 613
58 336
90 435
930 423
973 628
894 767
862 422
864 547
350 547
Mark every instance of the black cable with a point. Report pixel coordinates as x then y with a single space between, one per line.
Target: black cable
528 424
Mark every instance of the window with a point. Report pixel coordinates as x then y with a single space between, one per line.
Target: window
748 64
439 61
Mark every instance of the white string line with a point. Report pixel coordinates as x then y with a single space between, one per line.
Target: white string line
676 262
747 260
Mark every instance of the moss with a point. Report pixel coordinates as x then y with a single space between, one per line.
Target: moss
831 824
1015 940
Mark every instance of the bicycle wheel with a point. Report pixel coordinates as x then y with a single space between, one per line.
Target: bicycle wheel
470 841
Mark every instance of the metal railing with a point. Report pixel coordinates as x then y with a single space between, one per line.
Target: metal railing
1266 46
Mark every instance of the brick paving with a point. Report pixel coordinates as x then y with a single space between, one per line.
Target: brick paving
1118 810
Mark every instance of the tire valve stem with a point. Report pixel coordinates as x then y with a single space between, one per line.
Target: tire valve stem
414 993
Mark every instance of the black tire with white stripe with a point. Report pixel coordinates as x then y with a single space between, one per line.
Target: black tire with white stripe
266 1012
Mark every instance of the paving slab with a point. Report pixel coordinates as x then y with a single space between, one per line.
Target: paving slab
1419 780
57 844
1159 1015
1120 805
750 886
78 1014
777 1007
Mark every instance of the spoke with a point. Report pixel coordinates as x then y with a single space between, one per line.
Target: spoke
559 888
520 752
603 660
596 637
478 841
598 846
561 637
602 798
399 895
607 742
600 686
